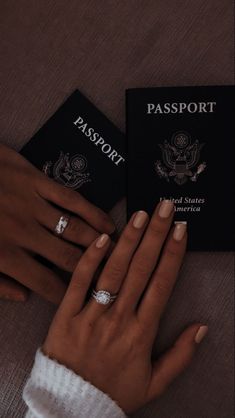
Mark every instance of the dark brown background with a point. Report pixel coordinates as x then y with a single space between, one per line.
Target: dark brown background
49 48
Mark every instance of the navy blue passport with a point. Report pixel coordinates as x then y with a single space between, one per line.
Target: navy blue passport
81 149
181 147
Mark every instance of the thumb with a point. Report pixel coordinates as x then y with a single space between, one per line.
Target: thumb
11 290
176 359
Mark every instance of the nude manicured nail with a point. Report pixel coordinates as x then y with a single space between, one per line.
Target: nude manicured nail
203 330
166 208
139 219
179 231
102 240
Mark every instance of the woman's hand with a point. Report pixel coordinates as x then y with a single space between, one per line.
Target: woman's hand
111 345
30 207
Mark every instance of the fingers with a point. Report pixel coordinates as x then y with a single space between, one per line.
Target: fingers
118 263
146 256
175 360
61 253
75 202
162 282
27 271
83 276
11 290
77 231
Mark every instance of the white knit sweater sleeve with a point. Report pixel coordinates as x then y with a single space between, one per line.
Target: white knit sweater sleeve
53 391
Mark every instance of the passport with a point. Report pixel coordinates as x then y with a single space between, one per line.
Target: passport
180 146
81 149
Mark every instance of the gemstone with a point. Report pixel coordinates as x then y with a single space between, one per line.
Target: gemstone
103 297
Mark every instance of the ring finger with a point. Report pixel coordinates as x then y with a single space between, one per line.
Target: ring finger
61 253
76 231
117 265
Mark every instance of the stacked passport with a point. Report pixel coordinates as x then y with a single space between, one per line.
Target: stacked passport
179 146
81 149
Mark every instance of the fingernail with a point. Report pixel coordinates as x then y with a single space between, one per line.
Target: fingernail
102 240
179 231
140 219
166 208
14 297
203 330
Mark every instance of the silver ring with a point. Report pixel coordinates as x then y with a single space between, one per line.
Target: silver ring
61 225
103 297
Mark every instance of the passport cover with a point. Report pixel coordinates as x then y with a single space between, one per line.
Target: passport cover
181 147
81 149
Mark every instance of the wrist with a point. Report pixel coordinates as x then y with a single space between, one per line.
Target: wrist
52 381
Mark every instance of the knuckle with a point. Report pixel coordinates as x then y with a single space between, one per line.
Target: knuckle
111 326
113 318
116 315
88 259
78 282
70 258
171 252
157 229
82 269
73 226
139 341
140 265
66 195
76 197
114 272
87 263
162 284
7 254
129 235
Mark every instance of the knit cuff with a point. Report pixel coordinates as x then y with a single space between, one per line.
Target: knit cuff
55 391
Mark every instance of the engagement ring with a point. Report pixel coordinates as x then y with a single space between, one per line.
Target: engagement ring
103 297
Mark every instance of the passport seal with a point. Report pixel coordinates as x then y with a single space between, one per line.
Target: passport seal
179 158
68 170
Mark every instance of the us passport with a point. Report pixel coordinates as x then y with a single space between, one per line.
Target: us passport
81 149
181 147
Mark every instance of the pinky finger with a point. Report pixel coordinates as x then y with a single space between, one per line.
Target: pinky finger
176 359
82 277
11 290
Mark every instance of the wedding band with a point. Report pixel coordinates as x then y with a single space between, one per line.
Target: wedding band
103 297
61 225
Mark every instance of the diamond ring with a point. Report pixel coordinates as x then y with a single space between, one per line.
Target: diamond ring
103 297
61 225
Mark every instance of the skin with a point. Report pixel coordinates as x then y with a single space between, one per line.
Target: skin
111 345
30 207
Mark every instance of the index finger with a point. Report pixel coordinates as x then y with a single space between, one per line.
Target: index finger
83 275
76 203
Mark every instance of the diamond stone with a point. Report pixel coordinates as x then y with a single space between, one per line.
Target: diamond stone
103 297
61 225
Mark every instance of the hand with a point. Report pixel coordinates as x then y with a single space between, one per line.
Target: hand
111 345
30 207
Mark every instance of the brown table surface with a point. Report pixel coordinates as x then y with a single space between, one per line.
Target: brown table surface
49 48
